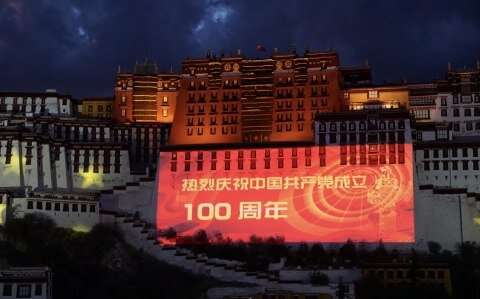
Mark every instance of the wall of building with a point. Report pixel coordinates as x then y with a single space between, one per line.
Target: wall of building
10 171
394 96
434 165
79 215
97 108
29 104
437 218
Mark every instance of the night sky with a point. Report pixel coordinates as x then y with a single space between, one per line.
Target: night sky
76 46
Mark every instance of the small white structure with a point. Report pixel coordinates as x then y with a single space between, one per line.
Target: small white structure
78 211
32 282
32 104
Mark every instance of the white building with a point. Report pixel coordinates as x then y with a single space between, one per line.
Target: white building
446 169
453 102
32 161
32 282
35 103
78 211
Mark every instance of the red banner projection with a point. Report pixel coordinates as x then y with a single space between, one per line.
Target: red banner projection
303 194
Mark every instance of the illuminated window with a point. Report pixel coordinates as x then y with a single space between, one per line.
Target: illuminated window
165 99
165 112
372 94
124 112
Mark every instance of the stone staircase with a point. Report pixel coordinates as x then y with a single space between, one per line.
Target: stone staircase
142 235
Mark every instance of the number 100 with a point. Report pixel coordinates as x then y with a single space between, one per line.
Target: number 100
209 211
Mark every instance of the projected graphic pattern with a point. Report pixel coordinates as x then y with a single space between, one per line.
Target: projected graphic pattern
304 194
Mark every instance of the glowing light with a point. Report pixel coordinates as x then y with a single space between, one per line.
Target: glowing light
91 179
81 228
3 213
477 220
14 166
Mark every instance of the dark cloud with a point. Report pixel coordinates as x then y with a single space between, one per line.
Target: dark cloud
76 45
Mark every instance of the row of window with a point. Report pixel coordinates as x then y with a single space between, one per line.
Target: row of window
108 108
287 116
287 127
468 126
226 130
23 290
362 138
200 109
445 165
252 154
80 133
402 274
464 99
252 164
96 162
36 101
466 112
371 124
200 121
64 207
446 152
227 96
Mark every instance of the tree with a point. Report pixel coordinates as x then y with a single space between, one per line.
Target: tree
380 251
318 256
434 248
168 234
200 237
348 251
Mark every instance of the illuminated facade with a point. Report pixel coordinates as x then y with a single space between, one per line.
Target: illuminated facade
271 107
386 97
145 95
101 108
302 192
239 100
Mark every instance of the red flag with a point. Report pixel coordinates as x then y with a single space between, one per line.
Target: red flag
260 48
